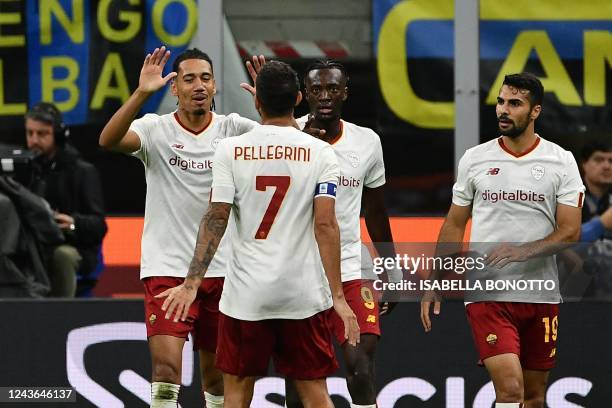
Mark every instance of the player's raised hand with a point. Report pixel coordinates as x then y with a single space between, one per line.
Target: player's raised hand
351 327
151 78
429 298
253 68
180 298
313 131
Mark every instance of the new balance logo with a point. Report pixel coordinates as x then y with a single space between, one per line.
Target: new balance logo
178 146
493 171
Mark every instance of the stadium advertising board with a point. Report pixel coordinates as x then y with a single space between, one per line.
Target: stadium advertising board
99 348
84 56
567 44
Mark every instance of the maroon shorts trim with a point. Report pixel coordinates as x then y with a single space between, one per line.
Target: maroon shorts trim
528 330
362 299
301 349
202 319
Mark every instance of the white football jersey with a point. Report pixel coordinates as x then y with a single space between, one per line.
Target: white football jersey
360 157
270 176
178 170
514 199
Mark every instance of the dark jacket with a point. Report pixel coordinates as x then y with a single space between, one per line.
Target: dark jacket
27 233
72 186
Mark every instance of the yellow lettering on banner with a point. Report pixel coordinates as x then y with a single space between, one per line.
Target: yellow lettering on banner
50 84
393 69
132 18
17 40
8 109
557 79
597 51
158 25
74 28
112 68
545 10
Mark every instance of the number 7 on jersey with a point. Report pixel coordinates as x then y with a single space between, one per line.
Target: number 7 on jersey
282 185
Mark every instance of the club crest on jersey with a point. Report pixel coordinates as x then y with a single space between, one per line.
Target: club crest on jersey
537 172
215 142
152 319
353 158
491 338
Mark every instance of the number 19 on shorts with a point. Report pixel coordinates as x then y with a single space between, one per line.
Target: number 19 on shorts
550 325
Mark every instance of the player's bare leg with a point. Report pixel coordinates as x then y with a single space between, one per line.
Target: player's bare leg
360 378
292 399
507 376
212 380
535 387
313 393
238 391
166 361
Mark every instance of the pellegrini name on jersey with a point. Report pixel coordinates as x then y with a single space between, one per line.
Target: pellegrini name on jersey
272 152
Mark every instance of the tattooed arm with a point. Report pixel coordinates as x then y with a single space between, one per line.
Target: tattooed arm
210 233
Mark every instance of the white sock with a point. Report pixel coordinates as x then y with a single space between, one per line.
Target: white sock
213 401
508 405
362 406
164 395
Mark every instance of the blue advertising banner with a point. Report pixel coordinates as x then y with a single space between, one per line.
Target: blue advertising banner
84 56
567 44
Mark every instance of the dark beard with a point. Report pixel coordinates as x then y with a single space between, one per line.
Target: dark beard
515 131
200 111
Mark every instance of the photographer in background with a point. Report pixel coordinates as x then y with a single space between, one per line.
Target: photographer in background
72 188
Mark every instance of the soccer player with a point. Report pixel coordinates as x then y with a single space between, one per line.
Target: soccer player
177 152
362 172
276 295
524 189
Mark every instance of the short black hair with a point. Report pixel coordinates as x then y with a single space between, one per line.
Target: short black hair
595 146
327 64
528 81
193 53
277 88
50 114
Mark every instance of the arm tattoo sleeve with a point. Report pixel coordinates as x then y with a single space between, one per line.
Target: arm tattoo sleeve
210 233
